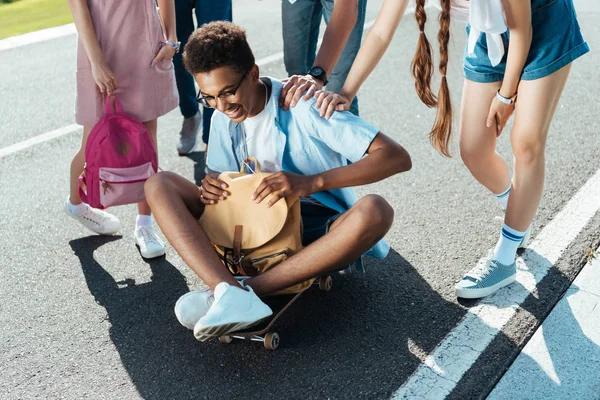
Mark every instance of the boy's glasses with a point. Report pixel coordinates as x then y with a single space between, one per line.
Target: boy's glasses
228 96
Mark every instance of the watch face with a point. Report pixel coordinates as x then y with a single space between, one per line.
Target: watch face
317 71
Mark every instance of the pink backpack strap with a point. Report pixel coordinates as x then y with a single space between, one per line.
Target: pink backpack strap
108 109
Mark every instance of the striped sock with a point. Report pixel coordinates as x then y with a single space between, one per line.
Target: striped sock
503 198
506 248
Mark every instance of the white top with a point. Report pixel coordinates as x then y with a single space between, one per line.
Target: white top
261 135
484 16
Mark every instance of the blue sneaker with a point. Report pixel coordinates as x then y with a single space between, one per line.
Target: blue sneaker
488 276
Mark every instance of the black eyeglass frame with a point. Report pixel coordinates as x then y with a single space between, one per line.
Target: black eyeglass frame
204 100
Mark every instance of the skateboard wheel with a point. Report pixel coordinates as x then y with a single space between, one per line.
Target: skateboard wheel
225 339
325 283
271 341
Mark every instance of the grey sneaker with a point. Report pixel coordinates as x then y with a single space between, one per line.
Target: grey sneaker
487 277
188 137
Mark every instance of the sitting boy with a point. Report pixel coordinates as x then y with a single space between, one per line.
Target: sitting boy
313 158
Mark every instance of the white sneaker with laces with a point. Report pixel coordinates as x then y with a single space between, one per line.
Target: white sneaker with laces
96 220
150 245
233 309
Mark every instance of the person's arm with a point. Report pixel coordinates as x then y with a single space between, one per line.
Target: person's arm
518 21
372 49
103 76
342 21
385 158
166 8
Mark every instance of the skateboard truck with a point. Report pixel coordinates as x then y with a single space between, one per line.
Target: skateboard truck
270 339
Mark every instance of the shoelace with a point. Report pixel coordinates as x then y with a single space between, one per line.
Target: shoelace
482 269
148 235
188 124
94 216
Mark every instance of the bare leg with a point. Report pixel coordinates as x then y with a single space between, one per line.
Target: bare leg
351 235
534 111
177 207
77 168
151 126
477 142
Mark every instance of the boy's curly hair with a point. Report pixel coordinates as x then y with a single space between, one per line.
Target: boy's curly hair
218 44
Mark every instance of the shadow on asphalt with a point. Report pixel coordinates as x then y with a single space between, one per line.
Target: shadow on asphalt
199 164
347 343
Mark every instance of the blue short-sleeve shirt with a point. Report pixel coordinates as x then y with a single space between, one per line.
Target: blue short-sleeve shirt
307 144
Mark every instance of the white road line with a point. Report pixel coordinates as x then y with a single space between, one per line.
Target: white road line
65 130
37 36
445 366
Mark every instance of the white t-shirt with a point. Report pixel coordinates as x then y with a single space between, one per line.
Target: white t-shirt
261 138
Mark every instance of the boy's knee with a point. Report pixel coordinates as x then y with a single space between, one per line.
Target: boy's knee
156 182
376 211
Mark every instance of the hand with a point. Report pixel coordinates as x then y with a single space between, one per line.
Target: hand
498 115
104 78
283 184
295 86
165 53
212 189
329 102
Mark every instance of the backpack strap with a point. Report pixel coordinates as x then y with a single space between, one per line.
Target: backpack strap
237 248
108 108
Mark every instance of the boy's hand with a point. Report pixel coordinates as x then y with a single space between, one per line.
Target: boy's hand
284 184
212 189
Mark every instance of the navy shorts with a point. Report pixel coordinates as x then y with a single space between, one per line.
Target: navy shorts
556 42
316 219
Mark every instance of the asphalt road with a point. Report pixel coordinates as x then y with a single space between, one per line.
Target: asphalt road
83 316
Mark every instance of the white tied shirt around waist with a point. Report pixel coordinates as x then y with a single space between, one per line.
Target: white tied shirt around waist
484 16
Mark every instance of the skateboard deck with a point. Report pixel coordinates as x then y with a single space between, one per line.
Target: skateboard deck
263 332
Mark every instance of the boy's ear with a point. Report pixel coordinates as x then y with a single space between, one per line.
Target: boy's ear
255 72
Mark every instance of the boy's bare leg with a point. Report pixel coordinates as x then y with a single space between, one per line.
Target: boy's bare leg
350 236
176 205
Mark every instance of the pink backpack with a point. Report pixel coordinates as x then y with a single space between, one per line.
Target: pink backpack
119 158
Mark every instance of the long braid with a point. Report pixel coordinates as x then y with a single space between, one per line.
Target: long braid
422 63
442 127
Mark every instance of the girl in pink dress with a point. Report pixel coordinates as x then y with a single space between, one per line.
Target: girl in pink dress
122 48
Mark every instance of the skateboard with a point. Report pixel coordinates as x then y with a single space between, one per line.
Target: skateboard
279 304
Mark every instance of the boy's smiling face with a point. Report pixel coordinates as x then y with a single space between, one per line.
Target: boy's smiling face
229 91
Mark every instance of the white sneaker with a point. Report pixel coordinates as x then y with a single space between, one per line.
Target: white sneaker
234 309
150 245
96 220
192 306
195 304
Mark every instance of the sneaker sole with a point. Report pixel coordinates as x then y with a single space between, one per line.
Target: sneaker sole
212 332
184 153
483 292
150 255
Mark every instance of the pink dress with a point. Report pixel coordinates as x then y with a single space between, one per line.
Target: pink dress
129 33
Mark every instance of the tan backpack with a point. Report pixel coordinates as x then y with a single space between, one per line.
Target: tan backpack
251 238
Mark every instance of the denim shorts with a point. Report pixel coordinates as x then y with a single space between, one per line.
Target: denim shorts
316 219
556 42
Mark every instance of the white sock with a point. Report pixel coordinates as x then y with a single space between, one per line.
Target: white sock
506 248
143 220
503 198
78 209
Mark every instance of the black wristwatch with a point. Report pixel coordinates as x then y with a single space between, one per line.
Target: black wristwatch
318 73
